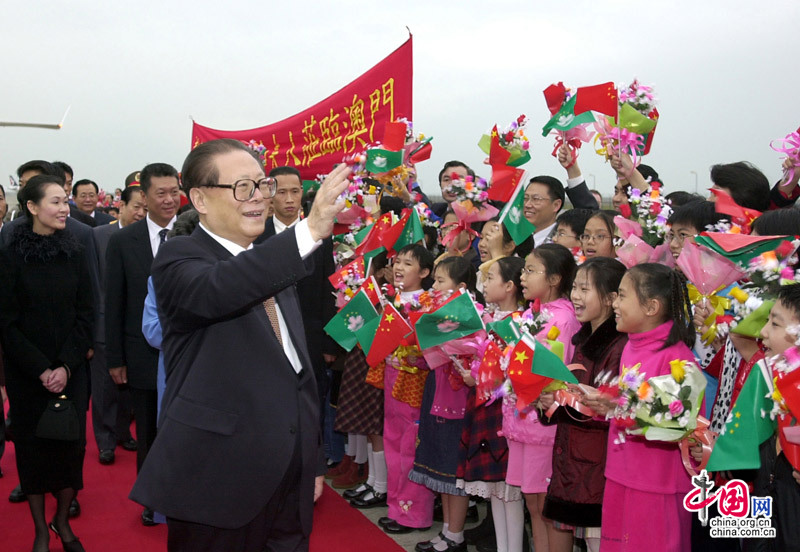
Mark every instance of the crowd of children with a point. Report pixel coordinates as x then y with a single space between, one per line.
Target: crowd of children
431 431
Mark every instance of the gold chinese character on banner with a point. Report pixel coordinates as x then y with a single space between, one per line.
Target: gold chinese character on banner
331 138
357 124
310 142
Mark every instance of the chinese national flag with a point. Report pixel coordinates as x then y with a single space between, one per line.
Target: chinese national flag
727 206
504 181
390 235
355 267
391 330
374 239
601 98
372 289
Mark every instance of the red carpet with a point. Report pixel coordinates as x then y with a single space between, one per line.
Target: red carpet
109 521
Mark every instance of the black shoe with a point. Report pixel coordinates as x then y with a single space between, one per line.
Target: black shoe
128 444
384 521
74 509
147 517
472 514
357 492
427 546
106 457
17 495
396 529
69 546
453 546
370 499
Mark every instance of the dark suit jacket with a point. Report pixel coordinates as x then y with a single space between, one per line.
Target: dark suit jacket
234 408
317 302
128 261
101 236
581 197
80 216
84 235
102 218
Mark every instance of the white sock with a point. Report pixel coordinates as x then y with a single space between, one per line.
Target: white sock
361 449
515 523
371 462
499 518
351 444
457 538
380 472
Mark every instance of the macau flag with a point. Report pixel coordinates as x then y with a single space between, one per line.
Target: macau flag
513 218
566 119
344 325
455 319
748 425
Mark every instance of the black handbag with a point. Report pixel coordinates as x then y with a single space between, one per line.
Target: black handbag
59 421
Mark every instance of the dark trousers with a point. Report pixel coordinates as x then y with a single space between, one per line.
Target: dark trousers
111 404
275 529
145 410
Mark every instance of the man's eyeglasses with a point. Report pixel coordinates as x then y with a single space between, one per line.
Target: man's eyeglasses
245 189
536 200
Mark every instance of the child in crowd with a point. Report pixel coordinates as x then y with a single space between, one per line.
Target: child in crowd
546 280
441 423
776 477
569 227
645 480
687 221
575 495
597 239
496 243
410 504
484 452
359 413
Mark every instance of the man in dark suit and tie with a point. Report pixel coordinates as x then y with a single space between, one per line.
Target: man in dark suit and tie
238 458
86 193
110 404
129 256
317 300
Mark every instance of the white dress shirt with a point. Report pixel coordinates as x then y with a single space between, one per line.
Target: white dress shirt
153 229
280 227
540 236
305 246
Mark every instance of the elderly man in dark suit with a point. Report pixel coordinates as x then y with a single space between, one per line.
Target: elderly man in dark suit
110 404
86 193
129 257
238 458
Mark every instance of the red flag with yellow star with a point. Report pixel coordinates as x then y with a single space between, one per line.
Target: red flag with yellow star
490 374
355 268
532 367
374 239
372 289
600 97
391 330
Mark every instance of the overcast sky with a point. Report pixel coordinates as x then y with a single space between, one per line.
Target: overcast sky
725 74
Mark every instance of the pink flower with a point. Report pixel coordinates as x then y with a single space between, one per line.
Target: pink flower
675 408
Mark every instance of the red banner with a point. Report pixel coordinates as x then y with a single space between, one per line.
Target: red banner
343 123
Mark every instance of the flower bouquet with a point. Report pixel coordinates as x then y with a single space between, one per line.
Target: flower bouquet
662 408
651 210
709 273
471 205
513 140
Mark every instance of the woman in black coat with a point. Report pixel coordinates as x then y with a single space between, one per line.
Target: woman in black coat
45 329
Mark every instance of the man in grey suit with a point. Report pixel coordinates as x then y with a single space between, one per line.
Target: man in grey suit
111 405
238 460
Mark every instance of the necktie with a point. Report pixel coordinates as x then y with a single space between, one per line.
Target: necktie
162 236
272 314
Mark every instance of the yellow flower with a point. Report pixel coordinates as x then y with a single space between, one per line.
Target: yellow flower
677 370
